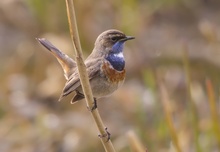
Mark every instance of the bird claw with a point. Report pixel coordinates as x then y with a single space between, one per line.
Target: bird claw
106 134
94 106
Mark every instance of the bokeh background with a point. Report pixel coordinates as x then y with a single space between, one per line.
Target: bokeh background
177 48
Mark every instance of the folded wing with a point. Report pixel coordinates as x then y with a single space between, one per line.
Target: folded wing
93 69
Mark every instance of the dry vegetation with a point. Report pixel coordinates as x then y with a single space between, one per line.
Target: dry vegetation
170 99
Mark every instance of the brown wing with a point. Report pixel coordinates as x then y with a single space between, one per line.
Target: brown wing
93 67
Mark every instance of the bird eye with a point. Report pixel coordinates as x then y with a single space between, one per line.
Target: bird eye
114 39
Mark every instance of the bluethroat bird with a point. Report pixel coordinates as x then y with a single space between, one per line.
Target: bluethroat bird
105 66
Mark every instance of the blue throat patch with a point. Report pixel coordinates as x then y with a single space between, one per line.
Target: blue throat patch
117 62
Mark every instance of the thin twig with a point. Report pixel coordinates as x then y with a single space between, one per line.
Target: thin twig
194 113
84 76
213 109
167 110
135 142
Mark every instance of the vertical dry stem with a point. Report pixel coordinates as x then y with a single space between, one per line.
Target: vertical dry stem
213 110
84 76
194 113
168 116
135 143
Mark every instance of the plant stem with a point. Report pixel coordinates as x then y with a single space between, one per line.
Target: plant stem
194 113
84 76
213 110
167 110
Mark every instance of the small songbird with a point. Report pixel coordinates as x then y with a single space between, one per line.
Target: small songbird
105 66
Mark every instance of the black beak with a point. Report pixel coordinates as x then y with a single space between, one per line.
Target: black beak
127 38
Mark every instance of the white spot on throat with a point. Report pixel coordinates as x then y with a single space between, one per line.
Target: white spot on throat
119 55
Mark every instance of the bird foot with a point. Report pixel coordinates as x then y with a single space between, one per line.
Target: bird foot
94 105
107 134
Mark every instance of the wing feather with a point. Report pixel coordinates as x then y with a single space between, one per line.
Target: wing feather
93 67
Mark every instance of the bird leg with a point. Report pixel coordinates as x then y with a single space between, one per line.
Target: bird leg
106 134
94 105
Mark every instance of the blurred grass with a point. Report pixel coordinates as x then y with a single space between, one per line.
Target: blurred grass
193 114
213 110
168 116
31 80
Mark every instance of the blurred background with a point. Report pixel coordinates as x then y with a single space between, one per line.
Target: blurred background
170 98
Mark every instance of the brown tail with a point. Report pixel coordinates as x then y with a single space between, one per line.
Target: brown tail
65 61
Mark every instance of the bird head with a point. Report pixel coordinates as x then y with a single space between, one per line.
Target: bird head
110 42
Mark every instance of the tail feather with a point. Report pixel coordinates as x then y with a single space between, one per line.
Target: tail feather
65 61
78 96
